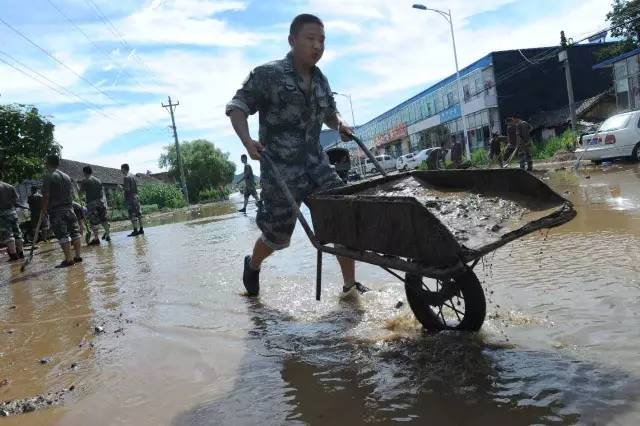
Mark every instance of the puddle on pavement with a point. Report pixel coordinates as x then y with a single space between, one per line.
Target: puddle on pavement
178 344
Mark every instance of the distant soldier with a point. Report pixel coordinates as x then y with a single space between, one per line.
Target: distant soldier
57 190
523 134
495 148
10 233
81 214
456 152
130 187
96 205
35 207
249 184
512 141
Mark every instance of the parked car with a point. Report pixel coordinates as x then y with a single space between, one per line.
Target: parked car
353 176
407 162
386 162
618 136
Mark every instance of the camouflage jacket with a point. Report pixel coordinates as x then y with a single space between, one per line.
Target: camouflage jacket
290 121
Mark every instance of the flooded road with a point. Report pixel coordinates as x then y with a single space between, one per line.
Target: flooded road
155 330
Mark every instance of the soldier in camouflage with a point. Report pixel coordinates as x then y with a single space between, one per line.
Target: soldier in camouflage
132 200
10 234
523 131
293 99
57 191
96 205
249 185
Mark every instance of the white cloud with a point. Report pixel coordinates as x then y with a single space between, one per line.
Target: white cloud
200 59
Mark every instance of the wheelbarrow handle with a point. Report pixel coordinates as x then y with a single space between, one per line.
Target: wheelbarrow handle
287 193
369 154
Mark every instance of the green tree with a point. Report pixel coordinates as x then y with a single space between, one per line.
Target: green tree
624 18
26 138
205 166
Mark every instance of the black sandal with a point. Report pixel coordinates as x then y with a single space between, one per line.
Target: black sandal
65 264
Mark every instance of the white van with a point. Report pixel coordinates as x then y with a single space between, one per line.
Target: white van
386 162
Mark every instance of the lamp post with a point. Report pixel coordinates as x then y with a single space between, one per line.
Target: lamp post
447 16
353 120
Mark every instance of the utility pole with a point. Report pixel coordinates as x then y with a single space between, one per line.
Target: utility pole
170 106
564 58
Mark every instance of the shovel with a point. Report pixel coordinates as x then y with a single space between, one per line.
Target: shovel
36 235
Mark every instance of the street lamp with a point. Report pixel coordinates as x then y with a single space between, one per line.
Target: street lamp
348 96
447 16
353 120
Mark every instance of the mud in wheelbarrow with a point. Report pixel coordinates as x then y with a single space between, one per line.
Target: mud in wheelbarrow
434 226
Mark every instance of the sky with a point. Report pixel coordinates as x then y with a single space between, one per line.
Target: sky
101 69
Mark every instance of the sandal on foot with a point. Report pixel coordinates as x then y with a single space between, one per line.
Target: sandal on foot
65 264
361 289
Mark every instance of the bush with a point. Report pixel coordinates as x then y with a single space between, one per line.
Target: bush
479 157
149 208
212 194
162 195
547 149
115 200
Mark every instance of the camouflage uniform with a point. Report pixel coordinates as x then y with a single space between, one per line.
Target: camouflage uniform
35 207
131 196
96 207
57 185
9 225
524 144
290 124
249 183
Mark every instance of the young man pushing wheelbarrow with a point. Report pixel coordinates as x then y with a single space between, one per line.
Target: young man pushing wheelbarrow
293 99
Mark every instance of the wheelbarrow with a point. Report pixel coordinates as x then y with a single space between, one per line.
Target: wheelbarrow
421 240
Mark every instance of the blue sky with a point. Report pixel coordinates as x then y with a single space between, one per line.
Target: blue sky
124 58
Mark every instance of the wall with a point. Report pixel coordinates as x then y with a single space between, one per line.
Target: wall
542 87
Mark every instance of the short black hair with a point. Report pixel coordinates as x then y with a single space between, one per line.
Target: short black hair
53 160
87 169
125 166
300 20
243 157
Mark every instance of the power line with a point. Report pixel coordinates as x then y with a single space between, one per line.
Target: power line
95 46
105 19
43 50
61 89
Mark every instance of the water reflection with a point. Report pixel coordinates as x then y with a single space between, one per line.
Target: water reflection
310 373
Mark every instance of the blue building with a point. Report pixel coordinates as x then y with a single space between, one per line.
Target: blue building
500 85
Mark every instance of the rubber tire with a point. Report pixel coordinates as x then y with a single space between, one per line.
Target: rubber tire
475 303
635 154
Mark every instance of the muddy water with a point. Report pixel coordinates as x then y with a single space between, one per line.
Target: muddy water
181 345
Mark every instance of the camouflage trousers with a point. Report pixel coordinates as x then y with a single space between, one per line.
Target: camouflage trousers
97 212
133 206
250 191
526 158
277 218
9 226
65 224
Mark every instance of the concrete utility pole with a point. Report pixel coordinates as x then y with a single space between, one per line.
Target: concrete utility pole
170 106
564 58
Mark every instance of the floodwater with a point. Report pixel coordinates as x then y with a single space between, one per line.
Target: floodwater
181 345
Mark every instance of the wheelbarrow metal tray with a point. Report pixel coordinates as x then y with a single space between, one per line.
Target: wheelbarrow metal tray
438 217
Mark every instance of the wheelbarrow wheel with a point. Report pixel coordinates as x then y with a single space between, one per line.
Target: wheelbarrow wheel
456 303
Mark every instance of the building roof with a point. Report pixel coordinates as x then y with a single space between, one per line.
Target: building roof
108 175
609 62
329 137
481 63
561 116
